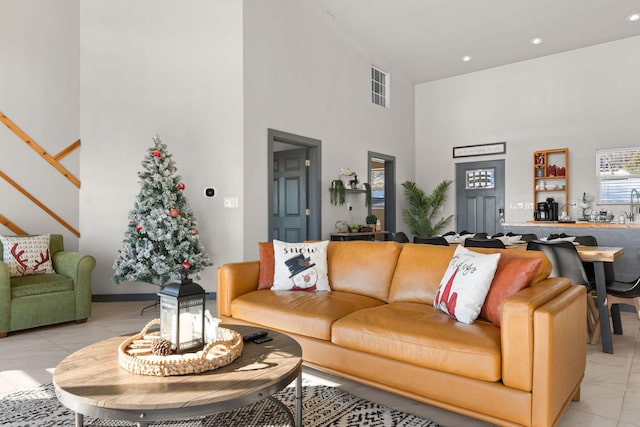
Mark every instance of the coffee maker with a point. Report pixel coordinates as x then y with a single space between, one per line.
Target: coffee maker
547 211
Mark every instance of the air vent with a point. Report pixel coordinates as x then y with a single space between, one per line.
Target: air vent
379 87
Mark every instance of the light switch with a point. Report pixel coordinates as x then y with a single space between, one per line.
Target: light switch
231 202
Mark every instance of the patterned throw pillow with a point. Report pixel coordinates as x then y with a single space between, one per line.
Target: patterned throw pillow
300 266
465 284
25 255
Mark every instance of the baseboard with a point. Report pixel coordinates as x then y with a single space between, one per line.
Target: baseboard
135 297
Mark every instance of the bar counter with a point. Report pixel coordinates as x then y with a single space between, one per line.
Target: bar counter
626 267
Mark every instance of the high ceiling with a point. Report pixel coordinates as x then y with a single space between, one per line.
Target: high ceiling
428 38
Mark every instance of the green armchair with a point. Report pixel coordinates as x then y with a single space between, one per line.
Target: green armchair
45 299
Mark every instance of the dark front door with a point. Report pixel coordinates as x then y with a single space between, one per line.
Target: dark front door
479 196
290 195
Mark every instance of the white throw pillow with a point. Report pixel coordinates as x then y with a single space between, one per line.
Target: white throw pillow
25 255
300 266
465 284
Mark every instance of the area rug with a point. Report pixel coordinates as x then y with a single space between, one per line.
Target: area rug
322 406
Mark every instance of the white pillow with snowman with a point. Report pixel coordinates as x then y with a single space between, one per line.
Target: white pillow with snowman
300 266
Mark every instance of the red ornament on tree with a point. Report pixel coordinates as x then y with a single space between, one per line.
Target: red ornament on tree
186 264
174 212
156 153
138 227
181 186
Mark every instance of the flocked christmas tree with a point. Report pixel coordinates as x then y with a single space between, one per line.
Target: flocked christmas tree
161 243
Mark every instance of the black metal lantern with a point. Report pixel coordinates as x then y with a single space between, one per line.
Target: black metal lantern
182 316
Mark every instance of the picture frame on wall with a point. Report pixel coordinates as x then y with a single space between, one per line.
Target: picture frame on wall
480 149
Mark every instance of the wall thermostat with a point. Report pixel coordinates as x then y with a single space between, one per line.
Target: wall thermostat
210 192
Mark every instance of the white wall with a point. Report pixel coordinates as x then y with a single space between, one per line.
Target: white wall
303 76
121 71
39 91
172 68
583 100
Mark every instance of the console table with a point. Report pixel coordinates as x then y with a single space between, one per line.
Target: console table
360 235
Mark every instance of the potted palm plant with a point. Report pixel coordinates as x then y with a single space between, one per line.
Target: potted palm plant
421 215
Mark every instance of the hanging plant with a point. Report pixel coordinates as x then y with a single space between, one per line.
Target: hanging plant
367 194
337 192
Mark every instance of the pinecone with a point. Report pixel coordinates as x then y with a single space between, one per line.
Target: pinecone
161 347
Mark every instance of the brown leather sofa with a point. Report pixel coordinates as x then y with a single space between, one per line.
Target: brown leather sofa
378 326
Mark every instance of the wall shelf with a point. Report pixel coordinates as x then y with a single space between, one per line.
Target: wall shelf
551 168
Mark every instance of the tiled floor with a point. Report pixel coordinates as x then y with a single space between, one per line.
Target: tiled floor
610 391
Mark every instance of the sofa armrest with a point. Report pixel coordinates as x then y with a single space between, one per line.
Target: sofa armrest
560 354
233 280
517 330
78 267
5 298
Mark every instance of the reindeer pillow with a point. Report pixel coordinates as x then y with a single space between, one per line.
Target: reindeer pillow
25 255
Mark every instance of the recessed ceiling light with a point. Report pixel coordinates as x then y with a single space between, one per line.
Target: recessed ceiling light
536 40
466 58
634 17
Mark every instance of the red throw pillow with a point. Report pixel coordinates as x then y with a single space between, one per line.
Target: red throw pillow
267 265
513 274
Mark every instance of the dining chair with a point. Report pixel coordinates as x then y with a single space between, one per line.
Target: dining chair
435 240
588 266
471 233
566 262
473 242
399 237
527 237
620 292
586 240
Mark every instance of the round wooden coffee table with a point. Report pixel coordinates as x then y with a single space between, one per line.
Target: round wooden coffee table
91 382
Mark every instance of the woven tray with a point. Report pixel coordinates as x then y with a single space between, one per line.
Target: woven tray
215 355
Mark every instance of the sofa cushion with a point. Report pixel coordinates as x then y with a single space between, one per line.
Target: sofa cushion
363 268
465 284
513 274
26 255
431 339
543 271
306 313
40 284
300 266
420 268
267 265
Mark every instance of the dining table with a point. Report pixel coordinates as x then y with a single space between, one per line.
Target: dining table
598 255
